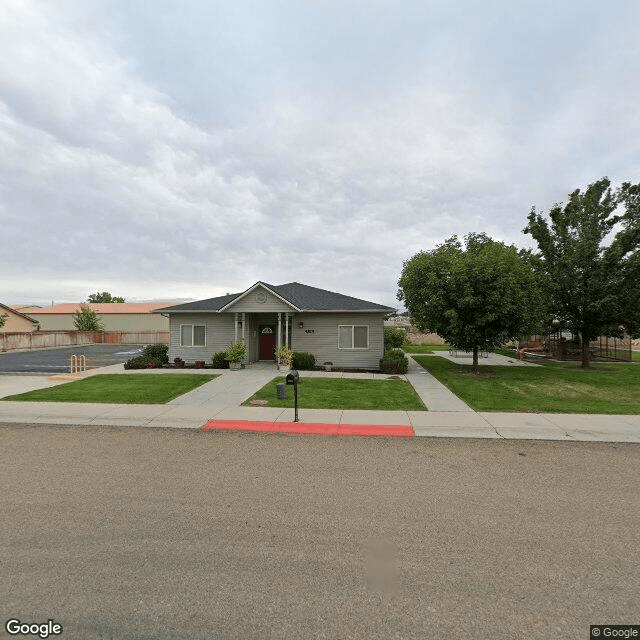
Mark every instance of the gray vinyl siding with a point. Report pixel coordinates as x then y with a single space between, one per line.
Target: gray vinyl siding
323 342
219 335
249 303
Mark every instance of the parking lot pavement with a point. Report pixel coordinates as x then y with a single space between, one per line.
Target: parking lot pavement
48 361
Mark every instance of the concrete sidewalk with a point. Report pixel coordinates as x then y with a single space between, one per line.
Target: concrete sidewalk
221 398
448 424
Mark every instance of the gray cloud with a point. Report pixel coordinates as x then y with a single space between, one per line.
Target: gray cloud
186 153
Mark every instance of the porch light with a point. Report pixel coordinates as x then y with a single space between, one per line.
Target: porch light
300 325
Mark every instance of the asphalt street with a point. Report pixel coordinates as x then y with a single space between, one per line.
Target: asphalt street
119 533
48 361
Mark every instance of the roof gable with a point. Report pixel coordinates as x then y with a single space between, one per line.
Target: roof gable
17 313
270 300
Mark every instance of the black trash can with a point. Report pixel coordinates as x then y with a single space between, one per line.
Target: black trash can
281 391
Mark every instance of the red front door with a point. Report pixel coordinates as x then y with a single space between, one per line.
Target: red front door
267 343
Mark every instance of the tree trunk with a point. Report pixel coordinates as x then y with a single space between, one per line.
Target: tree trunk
585 353
475 357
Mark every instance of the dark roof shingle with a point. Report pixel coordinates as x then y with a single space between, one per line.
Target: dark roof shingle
313 299
302 296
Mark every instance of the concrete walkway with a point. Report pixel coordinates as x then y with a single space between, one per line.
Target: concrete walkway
431 391
220 399
463 357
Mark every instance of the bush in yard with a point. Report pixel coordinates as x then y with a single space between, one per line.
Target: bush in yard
302 360
394 337
143 362
219 360
159 351
236 351
394 361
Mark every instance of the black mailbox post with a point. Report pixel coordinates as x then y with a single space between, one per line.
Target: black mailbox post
292 378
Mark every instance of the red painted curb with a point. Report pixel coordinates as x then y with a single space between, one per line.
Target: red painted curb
389 430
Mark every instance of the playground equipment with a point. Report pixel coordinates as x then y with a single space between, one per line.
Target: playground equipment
564 345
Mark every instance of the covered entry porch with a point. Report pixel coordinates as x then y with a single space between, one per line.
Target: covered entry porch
263 333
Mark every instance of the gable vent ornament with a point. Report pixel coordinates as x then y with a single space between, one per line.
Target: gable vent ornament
261 297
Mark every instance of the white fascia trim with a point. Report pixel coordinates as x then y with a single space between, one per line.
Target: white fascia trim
189 311
345 311
250 289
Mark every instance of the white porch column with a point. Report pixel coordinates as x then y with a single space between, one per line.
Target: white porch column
279 339
286 329
246 357
235 325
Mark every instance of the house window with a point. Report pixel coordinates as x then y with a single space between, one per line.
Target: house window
192 335
353 336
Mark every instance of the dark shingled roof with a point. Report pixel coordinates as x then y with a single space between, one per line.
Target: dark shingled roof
313 299
302 296
210 304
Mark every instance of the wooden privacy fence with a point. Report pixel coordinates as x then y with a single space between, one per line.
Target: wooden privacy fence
46 339
133 337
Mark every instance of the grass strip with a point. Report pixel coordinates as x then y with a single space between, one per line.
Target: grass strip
119 389
344 393
425 348
550 388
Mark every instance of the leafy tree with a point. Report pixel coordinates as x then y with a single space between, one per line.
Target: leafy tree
3 319
104 296
87 320
593 278
477 296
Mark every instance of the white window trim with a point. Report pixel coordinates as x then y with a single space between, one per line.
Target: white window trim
353 326
191 346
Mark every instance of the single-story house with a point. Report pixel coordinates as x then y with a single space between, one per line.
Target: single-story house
333 327
115 316
16 321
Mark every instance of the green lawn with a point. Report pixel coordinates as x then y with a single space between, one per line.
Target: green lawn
119 389
345 393
425 348
551 388
635 356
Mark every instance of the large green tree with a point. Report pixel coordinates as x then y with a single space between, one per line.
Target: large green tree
476 296
589 250
104 296
87 320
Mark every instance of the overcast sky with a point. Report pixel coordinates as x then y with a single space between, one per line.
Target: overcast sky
162 149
